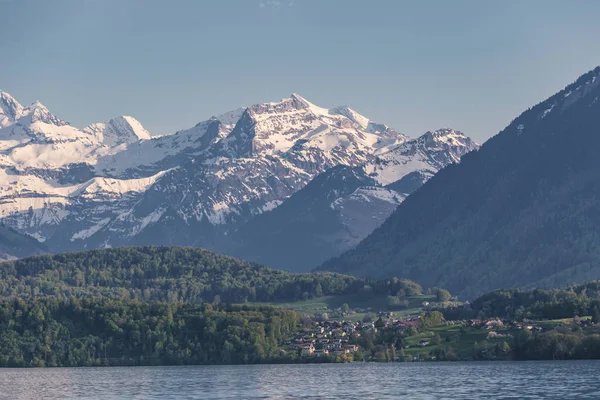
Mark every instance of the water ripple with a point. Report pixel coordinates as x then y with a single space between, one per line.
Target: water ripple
494 380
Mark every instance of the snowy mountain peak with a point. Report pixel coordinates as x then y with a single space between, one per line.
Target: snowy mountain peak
303 103
446 136
10 109
442 132
283 106
424 156
388 136
230 118
119 130
38 105
349 113
298 97
312 133
129 128
221 172
4 94
37 112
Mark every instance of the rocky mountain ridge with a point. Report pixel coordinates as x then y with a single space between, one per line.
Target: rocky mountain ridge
112 184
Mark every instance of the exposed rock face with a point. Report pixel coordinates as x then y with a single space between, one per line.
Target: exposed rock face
112 183
341 206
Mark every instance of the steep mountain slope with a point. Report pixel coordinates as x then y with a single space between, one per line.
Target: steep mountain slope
343 205
10 109
423 156
120 130
524 210
14 245
307 228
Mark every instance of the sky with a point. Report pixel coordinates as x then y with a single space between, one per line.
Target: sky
417 65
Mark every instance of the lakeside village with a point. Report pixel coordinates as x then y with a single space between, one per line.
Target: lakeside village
414 338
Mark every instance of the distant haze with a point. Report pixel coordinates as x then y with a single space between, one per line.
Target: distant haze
414 65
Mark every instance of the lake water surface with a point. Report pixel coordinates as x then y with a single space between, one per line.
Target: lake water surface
461 380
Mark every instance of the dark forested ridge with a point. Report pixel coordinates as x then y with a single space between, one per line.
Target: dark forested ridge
554 324
174 274
88 332
163 274
517 304
157 306
173 305
522 211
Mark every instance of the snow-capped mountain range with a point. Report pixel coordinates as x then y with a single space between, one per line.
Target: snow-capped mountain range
113 183
343 205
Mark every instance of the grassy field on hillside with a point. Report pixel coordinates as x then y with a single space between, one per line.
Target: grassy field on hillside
451 336
551 323
373 304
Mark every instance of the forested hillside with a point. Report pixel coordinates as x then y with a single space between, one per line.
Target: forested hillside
522 211
163 274
580 300
75 332
158 306
173 274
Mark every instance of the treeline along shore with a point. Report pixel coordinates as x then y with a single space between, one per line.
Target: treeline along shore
173 306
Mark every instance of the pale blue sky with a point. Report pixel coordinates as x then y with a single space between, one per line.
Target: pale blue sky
414 65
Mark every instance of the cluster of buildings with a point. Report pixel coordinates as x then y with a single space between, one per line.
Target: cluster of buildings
339 337
327 337
501 323
403 324
330 337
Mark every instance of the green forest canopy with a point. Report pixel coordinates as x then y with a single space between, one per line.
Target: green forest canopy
174 274
91 332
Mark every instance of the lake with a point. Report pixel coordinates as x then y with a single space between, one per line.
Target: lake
461 380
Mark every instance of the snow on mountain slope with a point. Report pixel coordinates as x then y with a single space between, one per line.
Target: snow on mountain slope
343 205
297 126
427 154
147 157
273 150
32 137
15 245
38 139
230 118
113 183
101 186
117 131
35 206
46 167
362 212
10 109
